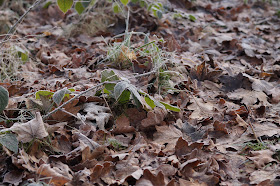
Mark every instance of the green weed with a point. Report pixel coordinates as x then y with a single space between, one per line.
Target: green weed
12 56
115 144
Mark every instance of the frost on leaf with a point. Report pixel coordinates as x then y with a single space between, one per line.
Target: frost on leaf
32 129
98 114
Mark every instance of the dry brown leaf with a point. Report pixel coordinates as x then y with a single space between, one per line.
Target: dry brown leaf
167 170
30 130
183 148
154 117
259 176
100 170
13 177
151 179
201 109
188 170
70 107
262 157
59 174
248 97
80 177
23 160
191 183
167 134
123 125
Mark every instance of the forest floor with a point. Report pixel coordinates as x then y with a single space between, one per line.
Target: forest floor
186 95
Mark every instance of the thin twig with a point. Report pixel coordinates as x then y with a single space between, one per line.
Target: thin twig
76 96
21 18
90 89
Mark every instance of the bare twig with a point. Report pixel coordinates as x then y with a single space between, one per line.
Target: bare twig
20 19
90 89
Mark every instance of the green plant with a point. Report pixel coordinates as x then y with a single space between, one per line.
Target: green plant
115 144
257 146
12 56
117 6
277 13
49 99
4 98
123 91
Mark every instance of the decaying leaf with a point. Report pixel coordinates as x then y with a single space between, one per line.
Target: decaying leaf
30 130
262 157
98 114
59 174
123 125
167 135
154 117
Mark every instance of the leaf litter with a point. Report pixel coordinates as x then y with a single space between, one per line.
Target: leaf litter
219 64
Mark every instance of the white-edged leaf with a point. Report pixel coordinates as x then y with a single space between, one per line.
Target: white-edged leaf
9 141
119 88
135 93
59 95
4 98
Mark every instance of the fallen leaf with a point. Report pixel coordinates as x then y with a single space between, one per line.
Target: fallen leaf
259 176
262 157
154 117
123 125
58 175
32 129
97 113
151 179
167 134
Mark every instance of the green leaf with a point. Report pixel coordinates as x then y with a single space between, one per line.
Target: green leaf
146 39
71 89
135 93
86 3
170 107
44 93
109 76
59 95
124 2
150 102
4 98
159 14
79 7
9 141
119 88
22 53
64 5
143 4
137 102
47 4
192 18
24 56
124 97
116 8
